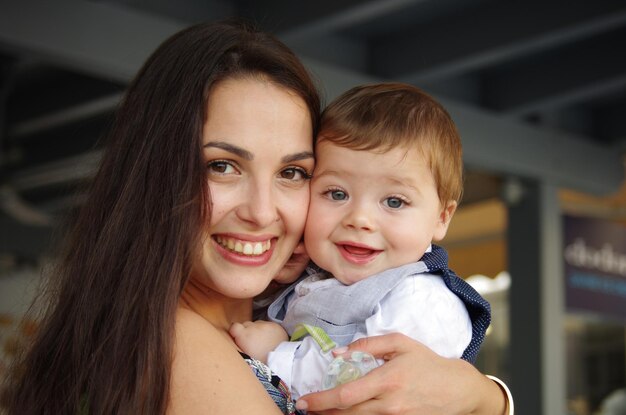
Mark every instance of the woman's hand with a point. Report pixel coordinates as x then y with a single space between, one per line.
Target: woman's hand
414 380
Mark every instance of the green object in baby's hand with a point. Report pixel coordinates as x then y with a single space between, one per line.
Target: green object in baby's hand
348 367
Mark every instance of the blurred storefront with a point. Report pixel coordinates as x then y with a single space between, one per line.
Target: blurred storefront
586 341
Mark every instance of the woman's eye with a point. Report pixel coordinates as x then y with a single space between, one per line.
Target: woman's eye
394 202
221 167
294 173
338 195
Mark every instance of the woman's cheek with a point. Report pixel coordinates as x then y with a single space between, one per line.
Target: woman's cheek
292 202
223 199
300 208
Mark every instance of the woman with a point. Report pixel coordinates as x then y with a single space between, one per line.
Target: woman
200 200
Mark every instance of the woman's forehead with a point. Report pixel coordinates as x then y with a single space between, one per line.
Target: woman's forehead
256 115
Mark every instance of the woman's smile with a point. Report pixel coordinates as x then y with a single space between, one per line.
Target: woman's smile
244 253
248 248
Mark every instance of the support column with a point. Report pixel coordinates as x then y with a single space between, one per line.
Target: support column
536 298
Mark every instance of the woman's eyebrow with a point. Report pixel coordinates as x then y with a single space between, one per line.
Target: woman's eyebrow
298 156
238 151
245 154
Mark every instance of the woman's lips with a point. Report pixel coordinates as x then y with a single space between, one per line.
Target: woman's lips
244 252
243 247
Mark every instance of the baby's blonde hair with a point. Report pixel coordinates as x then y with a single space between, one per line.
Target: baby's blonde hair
379 117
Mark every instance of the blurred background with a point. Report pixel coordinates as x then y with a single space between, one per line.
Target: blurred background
537 89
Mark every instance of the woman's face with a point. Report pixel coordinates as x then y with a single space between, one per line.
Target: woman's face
258 150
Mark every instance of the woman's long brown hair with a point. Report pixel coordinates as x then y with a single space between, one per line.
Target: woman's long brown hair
105 344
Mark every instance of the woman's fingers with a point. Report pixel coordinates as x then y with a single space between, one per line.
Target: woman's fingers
345 396
361 397
413 381
387 346
361 391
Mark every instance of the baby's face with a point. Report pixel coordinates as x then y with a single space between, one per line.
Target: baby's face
370 212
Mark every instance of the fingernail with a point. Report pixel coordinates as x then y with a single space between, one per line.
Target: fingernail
340 350
301 405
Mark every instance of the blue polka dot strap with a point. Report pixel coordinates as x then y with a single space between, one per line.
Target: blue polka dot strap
478 308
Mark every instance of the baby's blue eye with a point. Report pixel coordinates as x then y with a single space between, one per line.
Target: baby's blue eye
394 202
338 195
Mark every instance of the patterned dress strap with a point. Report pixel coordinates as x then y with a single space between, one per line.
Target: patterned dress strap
274 386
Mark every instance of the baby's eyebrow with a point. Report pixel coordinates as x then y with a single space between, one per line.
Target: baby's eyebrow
238 151
406 182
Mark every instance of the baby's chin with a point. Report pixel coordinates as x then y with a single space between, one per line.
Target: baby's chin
349 278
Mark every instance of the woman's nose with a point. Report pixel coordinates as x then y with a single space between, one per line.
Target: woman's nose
259 206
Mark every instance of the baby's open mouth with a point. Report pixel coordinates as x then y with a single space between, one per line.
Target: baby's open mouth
358 251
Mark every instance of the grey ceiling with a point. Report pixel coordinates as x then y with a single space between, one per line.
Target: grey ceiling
538 88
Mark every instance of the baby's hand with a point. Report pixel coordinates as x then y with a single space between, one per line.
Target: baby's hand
258 338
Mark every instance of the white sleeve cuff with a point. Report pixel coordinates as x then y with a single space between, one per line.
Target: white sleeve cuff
509 397
280 360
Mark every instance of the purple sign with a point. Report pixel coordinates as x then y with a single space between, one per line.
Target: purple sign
595 266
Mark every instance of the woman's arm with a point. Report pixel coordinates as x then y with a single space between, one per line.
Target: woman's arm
414 380
208 374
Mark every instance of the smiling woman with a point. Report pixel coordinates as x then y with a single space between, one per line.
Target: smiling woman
211 147
259 154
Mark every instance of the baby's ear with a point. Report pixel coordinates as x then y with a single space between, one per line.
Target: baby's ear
445 216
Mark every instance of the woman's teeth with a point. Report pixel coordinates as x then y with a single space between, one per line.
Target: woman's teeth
243 247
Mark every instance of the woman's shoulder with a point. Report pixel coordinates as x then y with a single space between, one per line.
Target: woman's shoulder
187 319
192 330
198 341
208 373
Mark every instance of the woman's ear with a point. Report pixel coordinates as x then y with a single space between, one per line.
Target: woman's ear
445 216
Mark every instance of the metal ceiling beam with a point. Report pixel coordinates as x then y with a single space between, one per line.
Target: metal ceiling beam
489 34
86 35
564 97
66 170
65 116
99 39
344 52
309 27
582 72
301 20
346 17
516 148
186 11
